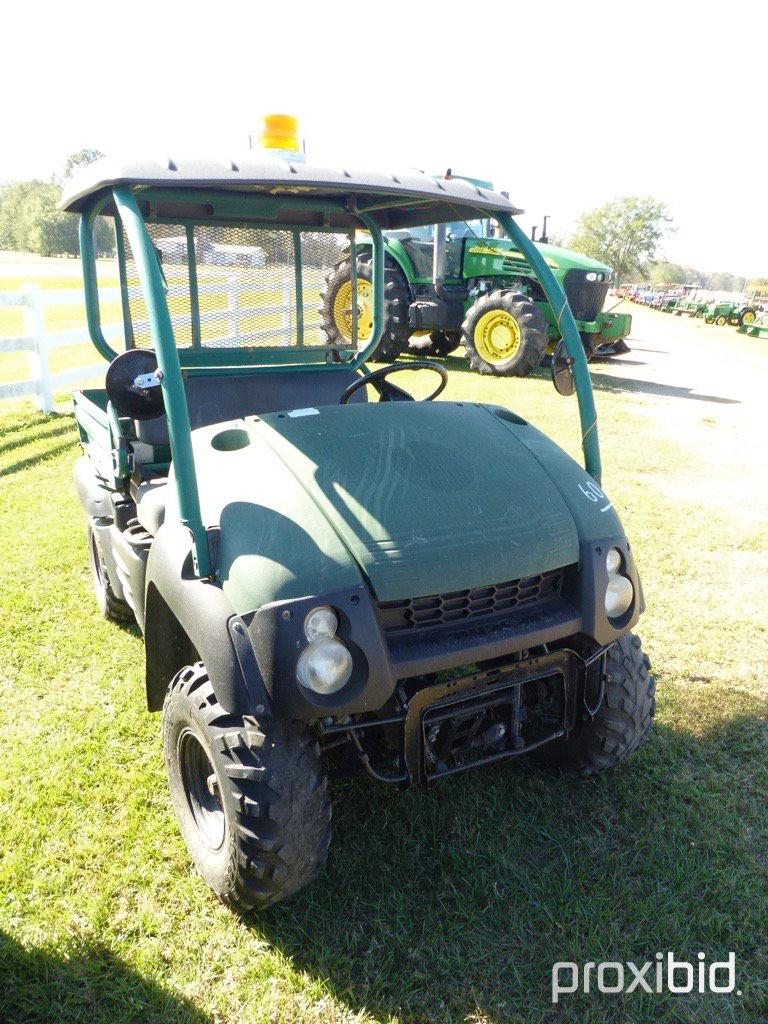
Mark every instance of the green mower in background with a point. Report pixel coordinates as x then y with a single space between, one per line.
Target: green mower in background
326 583
459 284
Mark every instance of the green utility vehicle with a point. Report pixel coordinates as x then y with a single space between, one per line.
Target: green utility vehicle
326 583
733 313
458 284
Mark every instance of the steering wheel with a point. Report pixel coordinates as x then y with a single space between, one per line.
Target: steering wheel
391 392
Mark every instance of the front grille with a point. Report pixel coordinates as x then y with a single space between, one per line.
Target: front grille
458 605
510 265
586 298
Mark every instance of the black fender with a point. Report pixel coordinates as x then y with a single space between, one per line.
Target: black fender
189 619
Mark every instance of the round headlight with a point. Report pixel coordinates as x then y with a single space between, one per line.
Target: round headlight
321 621
618 596
613 561
325 665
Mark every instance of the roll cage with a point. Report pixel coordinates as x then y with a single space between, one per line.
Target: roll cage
135 204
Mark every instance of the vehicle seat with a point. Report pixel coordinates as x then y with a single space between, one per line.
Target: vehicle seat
219 399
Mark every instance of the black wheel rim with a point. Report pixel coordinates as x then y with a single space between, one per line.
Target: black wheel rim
201 787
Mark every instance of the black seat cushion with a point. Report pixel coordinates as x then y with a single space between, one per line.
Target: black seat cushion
219 399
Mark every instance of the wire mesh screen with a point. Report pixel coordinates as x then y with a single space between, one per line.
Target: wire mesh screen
244 287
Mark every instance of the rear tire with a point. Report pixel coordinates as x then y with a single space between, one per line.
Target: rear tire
522 332
622 722
250 796
397 298
110 605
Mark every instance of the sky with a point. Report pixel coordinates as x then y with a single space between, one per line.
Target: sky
565 105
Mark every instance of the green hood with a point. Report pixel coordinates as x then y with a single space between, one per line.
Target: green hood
419 498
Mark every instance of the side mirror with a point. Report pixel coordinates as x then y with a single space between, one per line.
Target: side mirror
562 370
133 384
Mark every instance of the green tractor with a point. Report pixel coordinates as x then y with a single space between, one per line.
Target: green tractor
734 313
327 583
459 284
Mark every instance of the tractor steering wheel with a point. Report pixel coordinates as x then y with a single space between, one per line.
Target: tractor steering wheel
390 392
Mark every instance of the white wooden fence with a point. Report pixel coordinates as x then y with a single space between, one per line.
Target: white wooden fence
37 342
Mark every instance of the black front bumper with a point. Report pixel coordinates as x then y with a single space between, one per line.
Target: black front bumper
441 728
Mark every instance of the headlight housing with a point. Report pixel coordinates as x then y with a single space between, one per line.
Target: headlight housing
619 593
321 621
324 666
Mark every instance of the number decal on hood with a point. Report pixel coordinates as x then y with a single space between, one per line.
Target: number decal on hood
592 492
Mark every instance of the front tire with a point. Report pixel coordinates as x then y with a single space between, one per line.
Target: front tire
622 722
504 334
250 796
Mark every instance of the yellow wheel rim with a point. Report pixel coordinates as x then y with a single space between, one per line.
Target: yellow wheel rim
342 309
749 317
497 336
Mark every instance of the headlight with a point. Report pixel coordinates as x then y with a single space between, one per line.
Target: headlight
321 621
618 595
325 665
613 561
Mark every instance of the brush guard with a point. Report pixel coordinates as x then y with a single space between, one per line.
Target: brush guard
476 719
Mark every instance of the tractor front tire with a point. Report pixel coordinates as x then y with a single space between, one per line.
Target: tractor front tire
504 334
336 317
110 605
721 321
622 722
250 796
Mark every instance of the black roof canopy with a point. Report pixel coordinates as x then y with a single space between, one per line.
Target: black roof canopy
392 200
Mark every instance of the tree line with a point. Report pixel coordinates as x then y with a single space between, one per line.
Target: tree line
626 233
31 222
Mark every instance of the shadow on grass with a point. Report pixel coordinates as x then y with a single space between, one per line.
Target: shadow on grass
40 435
38 457
89 984
12 423
628 385
606 382
452 904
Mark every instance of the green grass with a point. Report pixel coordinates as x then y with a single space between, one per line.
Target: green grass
445 905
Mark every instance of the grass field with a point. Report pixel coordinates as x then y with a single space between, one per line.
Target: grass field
447 905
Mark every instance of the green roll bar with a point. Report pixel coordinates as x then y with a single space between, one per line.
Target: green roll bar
161 327
566 325
174 397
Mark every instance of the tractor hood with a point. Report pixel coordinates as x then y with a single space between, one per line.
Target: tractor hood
416 498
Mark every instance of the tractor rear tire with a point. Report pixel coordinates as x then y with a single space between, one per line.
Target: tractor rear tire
250 796
504 334
110 605
397 298
746 316
623 720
